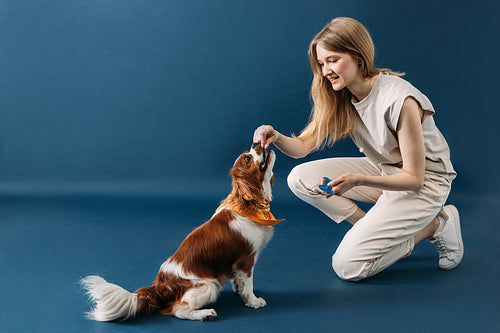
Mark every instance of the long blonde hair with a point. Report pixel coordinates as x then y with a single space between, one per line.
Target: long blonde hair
333 116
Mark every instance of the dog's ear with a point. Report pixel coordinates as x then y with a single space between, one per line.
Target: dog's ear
246 189
246 184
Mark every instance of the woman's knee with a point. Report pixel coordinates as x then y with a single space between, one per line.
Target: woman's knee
348 268
294 178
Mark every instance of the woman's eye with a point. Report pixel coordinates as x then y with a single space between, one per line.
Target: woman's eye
332 61
248 159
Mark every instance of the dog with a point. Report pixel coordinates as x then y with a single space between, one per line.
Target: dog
223 249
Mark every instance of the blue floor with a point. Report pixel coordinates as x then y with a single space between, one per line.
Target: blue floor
47 245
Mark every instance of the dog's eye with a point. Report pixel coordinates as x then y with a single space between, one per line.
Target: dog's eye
248 159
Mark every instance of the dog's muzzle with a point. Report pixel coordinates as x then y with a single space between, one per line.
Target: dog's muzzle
265 156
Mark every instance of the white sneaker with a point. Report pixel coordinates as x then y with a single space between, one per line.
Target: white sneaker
449 240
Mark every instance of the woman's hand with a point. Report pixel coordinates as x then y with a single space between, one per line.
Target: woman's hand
345 182
265 135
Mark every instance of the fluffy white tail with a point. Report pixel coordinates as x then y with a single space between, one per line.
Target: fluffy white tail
111 302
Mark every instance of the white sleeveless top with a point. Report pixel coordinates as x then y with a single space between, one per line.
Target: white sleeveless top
376 136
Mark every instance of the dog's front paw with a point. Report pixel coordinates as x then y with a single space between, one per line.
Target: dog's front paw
236 287
256 303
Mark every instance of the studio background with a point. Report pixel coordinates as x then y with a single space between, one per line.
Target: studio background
160 97
120 120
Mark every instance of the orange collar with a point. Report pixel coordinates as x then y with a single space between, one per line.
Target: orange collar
263 217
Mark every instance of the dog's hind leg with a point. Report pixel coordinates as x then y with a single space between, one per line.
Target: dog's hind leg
196 298
243 286
183 311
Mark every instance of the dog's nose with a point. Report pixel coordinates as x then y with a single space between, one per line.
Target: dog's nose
255 145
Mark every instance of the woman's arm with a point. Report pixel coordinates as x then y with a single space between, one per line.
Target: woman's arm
294 147
411 144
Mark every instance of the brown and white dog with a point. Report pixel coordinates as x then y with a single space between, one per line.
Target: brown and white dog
222 249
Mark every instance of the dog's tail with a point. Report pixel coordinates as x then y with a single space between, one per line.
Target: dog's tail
112 302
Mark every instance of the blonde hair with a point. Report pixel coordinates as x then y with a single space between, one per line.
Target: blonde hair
333 116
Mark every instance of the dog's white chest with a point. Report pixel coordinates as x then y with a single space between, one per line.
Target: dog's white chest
257 235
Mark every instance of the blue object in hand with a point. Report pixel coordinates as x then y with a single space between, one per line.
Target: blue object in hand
325 188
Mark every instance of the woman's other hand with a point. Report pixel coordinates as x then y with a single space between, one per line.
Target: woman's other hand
345 182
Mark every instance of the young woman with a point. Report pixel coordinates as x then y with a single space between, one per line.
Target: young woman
407 172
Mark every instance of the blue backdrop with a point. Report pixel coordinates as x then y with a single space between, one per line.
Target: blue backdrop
153 95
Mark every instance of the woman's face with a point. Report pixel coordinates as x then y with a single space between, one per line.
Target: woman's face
341 69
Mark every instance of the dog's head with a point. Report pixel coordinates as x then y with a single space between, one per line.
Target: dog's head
253 174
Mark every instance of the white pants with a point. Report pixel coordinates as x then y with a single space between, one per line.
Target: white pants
385 234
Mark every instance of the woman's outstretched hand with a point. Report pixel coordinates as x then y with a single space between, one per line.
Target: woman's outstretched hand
265 135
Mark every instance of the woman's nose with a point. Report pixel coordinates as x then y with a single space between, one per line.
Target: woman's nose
326 70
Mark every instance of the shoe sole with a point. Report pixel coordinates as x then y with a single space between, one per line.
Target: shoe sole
453 214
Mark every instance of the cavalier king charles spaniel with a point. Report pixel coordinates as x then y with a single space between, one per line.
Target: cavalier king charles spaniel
222 249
